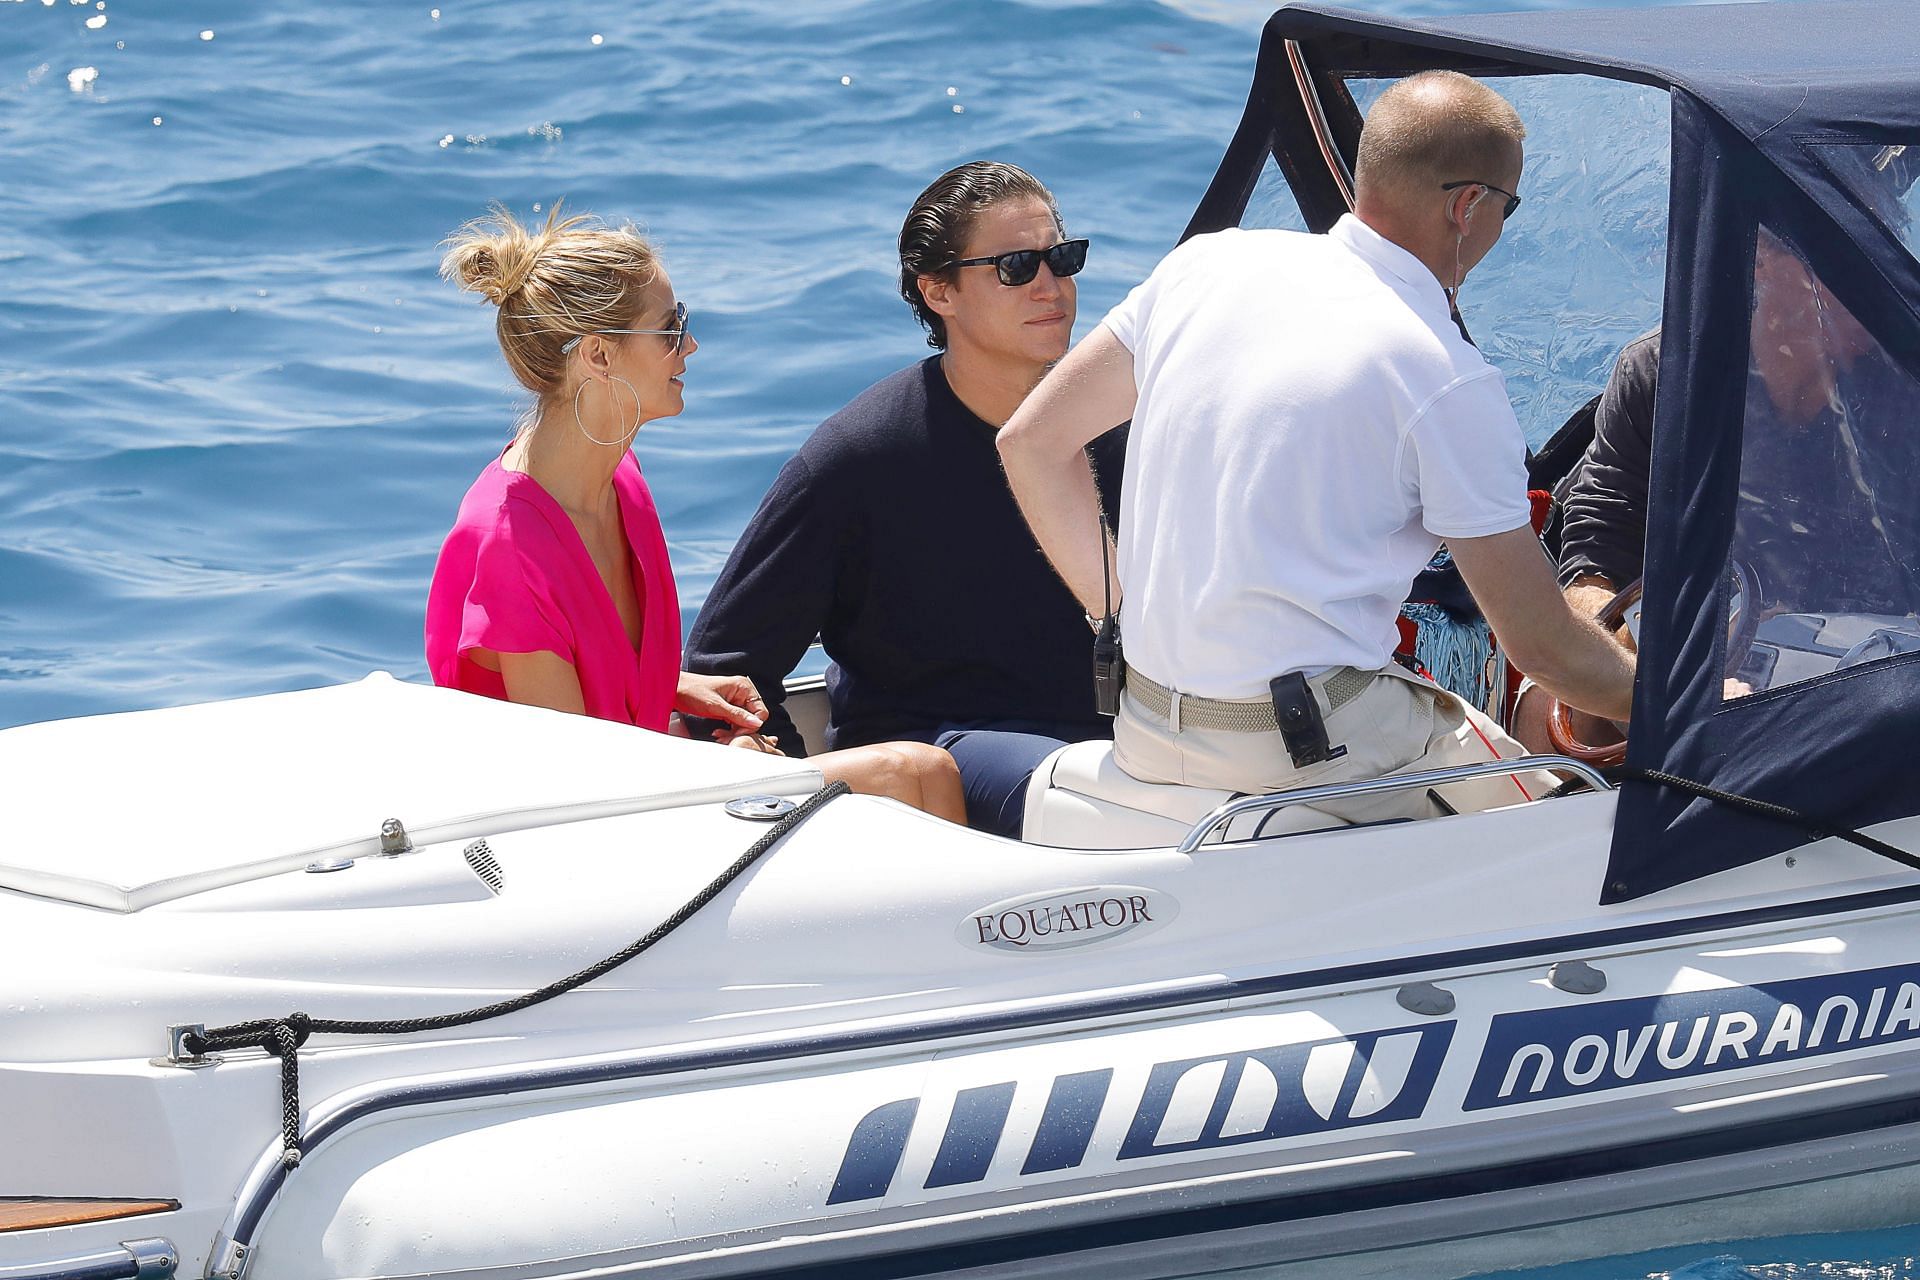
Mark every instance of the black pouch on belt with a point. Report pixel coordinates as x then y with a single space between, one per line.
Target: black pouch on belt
1301 726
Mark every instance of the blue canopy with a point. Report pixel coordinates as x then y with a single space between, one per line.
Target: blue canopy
1783 537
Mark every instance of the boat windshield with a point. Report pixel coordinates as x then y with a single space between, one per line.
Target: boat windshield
1272 205
1881 176
1828 522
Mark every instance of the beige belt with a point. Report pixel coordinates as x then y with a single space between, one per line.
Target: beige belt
1337 687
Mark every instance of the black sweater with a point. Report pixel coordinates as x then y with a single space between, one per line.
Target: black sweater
1605 521
1828 514
893 536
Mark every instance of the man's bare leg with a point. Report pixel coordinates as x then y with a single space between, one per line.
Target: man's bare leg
910 772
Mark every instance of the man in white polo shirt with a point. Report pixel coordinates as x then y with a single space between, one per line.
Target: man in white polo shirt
1308 424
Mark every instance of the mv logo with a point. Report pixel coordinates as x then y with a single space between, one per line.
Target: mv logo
1192 1104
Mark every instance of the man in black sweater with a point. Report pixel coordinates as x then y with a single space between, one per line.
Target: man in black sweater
892 534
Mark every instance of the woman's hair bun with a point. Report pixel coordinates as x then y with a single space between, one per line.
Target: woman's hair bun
493 256
553 283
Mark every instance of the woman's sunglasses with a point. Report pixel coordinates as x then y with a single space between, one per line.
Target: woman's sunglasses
678 333
1022 265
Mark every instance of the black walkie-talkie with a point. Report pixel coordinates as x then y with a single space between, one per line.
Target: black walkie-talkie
1109 666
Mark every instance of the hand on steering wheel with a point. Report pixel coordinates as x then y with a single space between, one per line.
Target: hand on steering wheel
1568 729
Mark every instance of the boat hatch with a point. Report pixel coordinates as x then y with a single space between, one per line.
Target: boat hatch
157 805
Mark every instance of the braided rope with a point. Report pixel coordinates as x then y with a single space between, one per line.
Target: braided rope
282 1037
284 1043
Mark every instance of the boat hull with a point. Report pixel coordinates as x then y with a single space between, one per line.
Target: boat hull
1301 1127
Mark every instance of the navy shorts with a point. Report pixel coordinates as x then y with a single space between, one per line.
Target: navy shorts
995 765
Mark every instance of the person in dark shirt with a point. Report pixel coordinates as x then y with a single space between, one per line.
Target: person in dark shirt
1826 516
892 534
1603 532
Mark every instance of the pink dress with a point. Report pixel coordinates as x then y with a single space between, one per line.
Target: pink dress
515 577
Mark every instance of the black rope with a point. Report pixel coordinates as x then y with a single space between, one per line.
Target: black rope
284 1044
1762 808
282 1037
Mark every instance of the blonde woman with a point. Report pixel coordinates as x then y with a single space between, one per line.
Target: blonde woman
554 587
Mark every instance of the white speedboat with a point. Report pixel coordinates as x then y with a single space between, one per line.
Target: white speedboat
891 1045
1171 1032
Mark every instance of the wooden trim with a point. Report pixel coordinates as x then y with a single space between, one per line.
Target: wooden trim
31 1214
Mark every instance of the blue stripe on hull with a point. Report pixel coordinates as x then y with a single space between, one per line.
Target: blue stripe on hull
1127 1229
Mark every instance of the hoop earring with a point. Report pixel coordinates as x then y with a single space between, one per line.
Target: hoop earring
631 431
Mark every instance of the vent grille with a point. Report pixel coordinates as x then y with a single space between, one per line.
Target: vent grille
485 865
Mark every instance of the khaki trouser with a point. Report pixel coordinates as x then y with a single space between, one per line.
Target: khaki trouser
1398 724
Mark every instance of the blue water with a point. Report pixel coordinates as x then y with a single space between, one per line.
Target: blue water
238 407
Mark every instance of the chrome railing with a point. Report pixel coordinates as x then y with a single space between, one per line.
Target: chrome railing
1278 800
134 1260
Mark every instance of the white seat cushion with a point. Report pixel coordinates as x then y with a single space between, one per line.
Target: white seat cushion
1080 799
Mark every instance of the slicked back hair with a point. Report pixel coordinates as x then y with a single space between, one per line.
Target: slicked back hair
935 232
1432 128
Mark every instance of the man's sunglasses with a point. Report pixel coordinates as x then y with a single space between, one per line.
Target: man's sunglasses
1022 265
678 333
1513 201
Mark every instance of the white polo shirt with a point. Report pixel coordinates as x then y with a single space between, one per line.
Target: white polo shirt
1310 425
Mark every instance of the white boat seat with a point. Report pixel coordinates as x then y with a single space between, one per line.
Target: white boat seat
1080 799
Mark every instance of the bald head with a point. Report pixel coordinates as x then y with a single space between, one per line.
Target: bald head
1433 128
